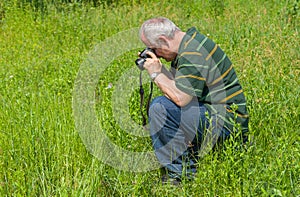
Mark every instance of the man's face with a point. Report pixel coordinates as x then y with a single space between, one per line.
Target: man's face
163 51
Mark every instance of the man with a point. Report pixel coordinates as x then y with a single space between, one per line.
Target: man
202 104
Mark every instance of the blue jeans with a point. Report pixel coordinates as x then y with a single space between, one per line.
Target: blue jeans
177 134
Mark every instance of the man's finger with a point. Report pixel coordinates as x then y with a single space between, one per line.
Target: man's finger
151 54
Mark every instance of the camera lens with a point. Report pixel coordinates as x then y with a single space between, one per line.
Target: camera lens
140 63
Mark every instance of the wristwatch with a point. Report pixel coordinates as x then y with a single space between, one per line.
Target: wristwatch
154 75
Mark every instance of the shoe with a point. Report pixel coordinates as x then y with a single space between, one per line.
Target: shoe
166 180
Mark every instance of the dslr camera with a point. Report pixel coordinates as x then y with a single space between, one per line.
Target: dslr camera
142 58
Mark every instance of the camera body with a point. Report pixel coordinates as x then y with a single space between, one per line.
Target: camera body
142 58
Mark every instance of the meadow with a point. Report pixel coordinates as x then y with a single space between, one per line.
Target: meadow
43 48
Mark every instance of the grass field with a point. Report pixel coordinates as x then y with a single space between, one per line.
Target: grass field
42 51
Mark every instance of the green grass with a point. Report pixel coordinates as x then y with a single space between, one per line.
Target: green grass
41 151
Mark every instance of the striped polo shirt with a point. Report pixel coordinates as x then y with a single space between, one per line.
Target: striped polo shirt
204 70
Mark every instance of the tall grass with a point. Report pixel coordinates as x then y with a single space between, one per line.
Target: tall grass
41 152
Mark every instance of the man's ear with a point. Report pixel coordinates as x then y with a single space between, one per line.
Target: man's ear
163 40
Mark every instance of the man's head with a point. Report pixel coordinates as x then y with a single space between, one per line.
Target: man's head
160 34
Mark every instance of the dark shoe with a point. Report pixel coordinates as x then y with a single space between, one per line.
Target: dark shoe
166 180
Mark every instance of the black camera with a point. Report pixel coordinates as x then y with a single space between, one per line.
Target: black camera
142 58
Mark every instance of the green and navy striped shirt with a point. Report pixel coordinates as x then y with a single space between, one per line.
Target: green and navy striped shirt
204 70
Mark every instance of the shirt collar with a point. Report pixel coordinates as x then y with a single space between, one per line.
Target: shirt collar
185 39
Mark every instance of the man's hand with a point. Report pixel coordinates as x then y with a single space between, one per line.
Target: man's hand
152 64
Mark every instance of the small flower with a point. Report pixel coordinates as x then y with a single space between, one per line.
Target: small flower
110 85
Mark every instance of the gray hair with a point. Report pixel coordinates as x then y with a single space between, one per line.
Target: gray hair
153 28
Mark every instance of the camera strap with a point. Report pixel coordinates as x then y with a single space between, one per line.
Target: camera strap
142 97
